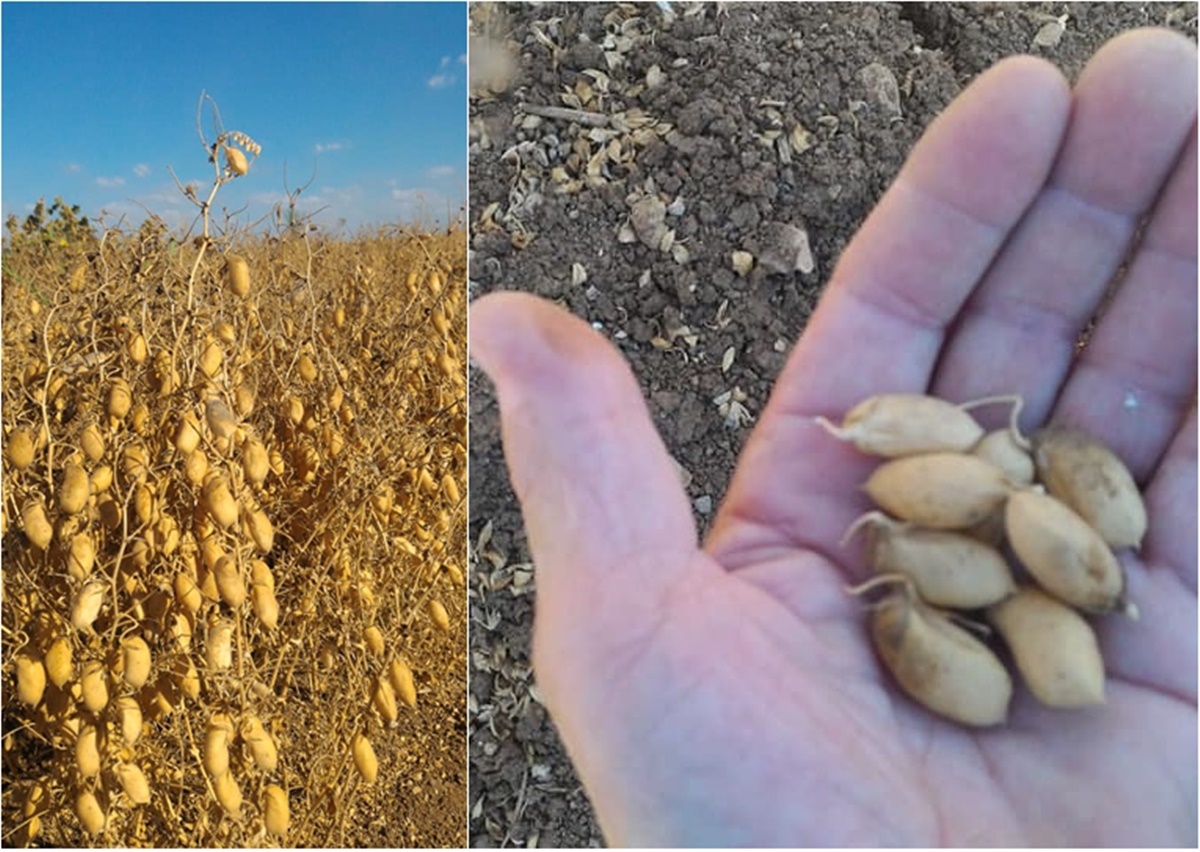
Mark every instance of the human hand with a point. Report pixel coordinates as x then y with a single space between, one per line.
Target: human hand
726 694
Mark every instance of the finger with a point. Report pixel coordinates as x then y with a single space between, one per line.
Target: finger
609 524
1131 113
881 323
1134 382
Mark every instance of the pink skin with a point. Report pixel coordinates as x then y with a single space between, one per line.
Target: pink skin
726 693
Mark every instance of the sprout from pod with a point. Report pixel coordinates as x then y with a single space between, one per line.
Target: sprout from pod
134 783
37 526
94 686
91 815
1092 480
1065 555
936 662
401 678
136 654
31 679
1054 647
364 758
938 490
439 616
59 667
20 448
237 275
276 812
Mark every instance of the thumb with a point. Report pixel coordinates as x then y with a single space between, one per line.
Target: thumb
609 524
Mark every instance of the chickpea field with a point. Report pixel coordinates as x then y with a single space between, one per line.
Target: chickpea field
234 536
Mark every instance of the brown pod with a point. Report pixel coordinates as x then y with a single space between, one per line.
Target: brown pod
384 699
75 489
900 424
938 663
229 794
1063 553
364 758
91 815
949 569
136 654
1092 480
134 783
1054 647
938 490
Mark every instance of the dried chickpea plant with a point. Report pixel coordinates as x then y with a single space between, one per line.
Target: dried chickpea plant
984 532
234 534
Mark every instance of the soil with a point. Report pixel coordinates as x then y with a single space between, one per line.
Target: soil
770 129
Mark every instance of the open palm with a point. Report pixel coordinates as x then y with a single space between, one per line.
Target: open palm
727 694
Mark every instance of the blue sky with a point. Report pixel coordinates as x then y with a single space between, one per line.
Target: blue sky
98 99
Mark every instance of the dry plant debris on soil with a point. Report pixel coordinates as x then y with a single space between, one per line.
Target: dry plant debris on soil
685 179
233 537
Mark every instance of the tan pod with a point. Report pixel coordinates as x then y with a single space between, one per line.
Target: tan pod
938 490
938 663
1054 647
1064 555
1092 480
949 569
900 424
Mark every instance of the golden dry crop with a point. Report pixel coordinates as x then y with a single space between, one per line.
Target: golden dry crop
195 438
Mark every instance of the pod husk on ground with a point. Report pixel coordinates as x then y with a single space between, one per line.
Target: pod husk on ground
1054 647
1092 480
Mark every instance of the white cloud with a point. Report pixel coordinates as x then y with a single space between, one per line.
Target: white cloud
440 172
74 168
141 170
462 59
328 146
443 78
110 183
